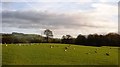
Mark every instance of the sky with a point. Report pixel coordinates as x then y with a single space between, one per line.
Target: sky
71 17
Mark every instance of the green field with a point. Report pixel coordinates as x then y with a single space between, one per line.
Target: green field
42 54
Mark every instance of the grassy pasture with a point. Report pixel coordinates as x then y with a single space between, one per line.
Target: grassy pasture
43 54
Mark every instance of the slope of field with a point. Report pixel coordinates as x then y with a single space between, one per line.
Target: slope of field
42 54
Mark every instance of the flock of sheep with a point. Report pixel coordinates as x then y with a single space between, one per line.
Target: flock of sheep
67 47
96 51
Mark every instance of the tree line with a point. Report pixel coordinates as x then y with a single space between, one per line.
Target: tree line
110 39
26 38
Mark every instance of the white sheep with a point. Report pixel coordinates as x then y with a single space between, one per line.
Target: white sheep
65 50
19 44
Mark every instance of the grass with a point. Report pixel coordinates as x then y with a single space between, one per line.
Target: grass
42 54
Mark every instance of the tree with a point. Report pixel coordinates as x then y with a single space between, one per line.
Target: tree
80 40
7 38
93 40
48 34
68 39
113 39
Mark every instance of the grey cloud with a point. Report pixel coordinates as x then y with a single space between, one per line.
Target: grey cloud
61 24
43 20
28 19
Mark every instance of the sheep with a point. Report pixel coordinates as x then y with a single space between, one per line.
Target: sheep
66 47
6 45
65 50
95 51
107 54
87 53
19 44
51 46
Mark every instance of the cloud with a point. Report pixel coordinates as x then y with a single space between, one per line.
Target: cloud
33 19
60 23
105 9
61 18
26 19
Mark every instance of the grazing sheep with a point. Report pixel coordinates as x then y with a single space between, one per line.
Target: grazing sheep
87 53
19 44
51 46
95 51
65 50
66 47
6 45
107 54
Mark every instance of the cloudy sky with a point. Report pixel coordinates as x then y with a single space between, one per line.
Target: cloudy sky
62 17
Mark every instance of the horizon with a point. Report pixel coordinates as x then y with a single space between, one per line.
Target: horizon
58 37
